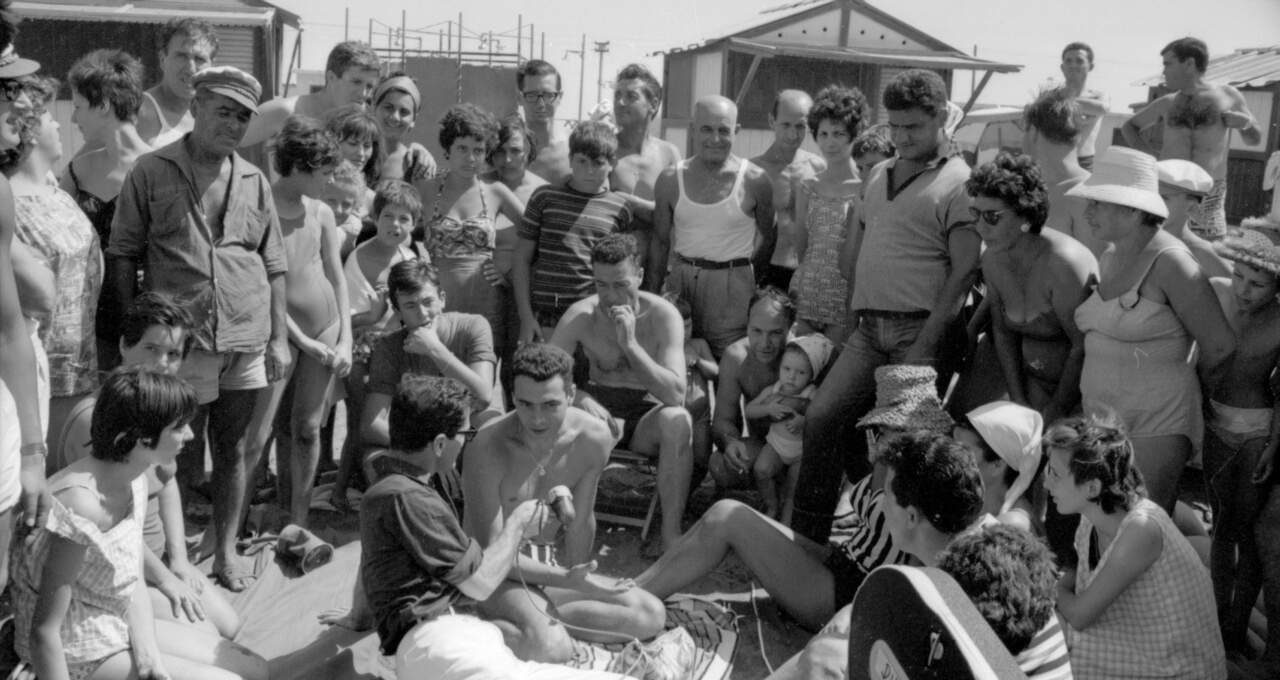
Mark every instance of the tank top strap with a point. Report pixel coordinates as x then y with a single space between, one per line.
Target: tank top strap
484 206
1150 265
680 167
737 181
164 124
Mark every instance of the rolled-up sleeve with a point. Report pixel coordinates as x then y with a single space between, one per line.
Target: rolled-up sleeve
132 218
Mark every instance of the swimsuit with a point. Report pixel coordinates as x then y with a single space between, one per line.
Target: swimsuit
459 249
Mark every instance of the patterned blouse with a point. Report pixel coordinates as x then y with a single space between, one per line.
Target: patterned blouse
59 232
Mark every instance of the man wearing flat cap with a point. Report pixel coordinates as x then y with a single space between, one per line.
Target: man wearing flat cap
200 221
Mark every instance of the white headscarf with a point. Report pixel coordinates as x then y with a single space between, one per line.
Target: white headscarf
1014 433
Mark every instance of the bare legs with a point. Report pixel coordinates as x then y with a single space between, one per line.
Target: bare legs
1233 556
228 423
668 432
1161 461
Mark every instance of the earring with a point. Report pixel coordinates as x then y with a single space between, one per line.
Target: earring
1025 228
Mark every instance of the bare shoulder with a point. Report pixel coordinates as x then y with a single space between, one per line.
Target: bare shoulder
813 162
1071 258
492 436
666 152
734 356
758 180
83 501
663 311
594 437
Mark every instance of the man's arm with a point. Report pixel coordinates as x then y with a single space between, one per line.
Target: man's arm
964 247
1144 118
761 188
271 250
664 198
528 235
497 558
1240 118
269 121
664 375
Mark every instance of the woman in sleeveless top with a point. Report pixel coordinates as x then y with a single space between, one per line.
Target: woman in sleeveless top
106 87
1035 280
825 208
1151 305
1140 602
460 234
79 609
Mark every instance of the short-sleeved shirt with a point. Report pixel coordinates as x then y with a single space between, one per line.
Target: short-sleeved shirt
467 336
220 278
415 555
565 223
905 256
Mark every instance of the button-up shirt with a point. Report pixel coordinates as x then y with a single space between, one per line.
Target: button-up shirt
220 278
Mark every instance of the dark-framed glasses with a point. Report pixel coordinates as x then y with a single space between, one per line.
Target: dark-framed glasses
535 97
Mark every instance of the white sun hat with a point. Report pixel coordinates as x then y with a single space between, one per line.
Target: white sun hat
1125 177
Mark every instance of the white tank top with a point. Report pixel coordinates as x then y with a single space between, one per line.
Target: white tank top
713 231
168 133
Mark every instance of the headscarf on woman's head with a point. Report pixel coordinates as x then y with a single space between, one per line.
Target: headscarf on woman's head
1013 432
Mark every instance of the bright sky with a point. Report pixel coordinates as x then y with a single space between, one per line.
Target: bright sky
1126 35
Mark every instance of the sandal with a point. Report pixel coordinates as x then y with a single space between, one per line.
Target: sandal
234 577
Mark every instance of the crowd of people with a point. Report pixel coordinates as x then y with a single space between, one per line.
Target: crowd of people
1000 371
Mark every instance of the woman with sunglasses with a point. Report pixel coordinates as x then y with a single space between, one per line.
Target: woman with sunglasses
1035 280
1151 305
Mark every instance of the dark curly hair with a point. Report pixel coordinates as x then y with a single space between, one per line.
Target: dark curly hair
134 407
111 76
916 89
1009 576
595 140
194 29
304 146
540 362
1054 114
652 88
468 120
845 105
935 474
1100 449
410 276
425 407
398 193
353 123
1013 179
874 140
39 91
155 309
615 248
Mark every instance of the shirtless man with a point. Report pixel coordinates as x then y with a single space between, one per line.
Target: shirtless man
634 342
544 444
1091 105
538 86
746 369
350 74
641 156
786 164
1197 118
187 46
714 212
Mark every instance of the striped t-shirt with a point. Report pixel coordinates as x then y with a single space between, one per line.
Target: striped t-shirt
870 546
565 223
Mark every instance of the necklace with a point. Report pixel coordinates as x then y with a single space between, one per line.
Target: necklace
540 464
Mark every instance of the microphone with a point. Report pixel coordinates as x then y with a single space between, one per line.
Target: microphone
560 500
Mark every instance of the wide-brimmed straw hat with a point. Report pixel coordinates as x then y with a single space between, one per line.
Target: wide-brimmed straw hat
1125 177
1256 246
907 399
1013 431
13 66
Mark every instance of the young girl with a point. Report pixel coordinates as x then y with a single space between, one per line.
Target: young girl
784 402
825 207
80 610
346 197
396 209
318 317
1140 603
396 102
359 141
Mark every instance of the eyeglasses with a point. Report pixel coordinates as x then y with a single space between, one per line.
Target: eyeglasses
988 216
540 97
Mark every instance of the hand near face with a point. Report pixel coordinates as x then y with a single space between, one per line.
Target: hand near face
624 324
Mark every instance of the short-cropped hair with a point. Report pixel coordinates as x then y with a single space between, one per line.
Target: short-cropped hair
615 248
1013 179
1054 114
134 407
874 140
595 140
398 193
107 76
155 309
777 297
468 120
652 88
1073 46
845 106
540 362
304 146
916 89
510 128
410 276
423 408
351 54
1099 449
535 68
1189 48
1010 577
936 475
196 30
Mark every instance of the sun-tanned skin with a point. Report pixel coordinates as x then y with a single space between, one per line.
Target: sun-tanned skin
552 163
181 59
787 165
641 157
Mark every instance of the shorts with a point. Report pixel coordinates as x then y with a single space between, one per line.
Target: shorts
1208 218
211 372
627 404
11 434
788 446
846 577
543 553
1237 426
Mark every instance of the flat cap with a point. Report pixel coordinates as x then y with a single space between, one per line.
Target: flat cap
231 82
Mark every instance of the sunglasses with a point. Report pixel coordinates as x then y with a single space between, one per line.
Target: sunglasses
989 216
540 97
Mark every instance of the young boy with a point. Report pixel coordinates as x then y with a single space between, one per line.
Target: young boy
421 574
870 148
349 198
156 333
1243 434
318 314
561 223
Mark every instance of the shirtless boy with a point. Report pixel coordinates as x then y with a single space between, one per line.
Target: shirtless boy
547 443
319 318
538 86
1243 434
186 46
634 342
350 73
1197 118
786 164
641 156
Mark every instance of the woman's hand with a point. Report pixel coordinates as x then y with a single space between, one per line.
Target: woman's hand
343 617
342 359
491 275
189 574
184 601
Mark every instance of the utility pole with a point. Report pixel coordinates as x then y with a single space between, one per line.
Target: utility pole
601 48
346 25
582 70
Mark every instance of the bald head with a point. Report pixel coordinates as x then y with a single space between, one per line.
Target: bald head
792 101
715 124
713 106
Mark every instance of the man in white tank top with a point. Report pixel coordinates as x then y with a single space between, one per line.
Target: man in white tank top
713 220
187 46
